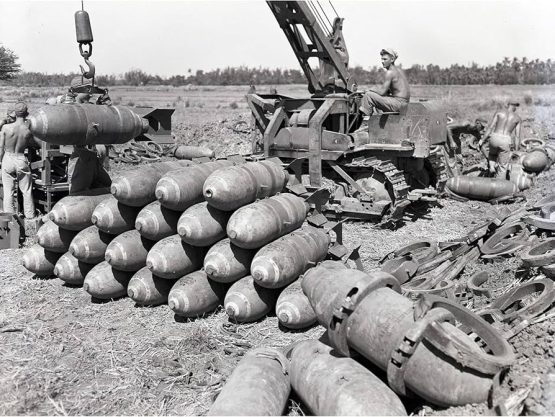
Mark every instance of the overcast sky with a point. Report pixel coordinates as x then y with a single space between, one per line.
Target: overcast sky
171 37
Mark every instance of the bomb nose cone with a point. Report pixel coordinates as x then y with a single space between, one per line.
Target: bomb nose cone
232 234
210 269
232 309
109 255
260 274
131 293
161 194
208 192
178 302
26 261
284 317
57 270
94 218
140 224
114 189
86 286
184 230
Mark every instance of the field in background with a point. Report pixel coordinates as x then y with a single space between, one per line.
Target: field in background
199 104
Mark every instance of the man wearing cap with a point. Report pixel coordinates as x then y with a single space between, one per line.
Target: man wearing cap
15 138
503 135
393 94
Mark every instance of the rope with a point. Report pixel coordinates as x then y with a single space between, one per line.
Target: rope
331 4
325 15
319 18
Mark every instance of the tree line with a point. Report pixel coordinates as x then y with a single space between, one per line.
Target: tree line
509 71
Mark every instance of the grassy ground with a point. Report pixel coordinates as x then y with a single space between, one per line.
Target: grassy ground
60 353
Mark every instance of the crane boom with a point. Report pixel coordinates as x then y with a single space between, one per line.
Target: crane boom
296 17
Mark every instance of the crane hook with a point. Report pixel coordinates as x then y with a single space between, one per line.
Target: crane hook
90 73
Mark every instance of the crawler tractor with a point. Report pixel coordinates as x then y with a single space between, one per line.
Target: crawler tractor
371 172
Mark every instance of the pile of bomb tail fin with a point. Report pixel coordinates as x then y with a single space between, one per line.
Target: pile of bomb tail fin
196 236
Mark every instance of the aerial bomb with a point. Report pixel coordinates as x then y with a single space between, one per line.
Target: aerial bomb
232 187
104 282
86 124
202 225
282 261
74 212
112 217
147 289
293 308
137 188
70 270
191 152
246 301
128 251
536 160
255 225
259 385
39 261
519 177
155 222
479 188
194 295
334 386
53 238
171 258
182 188
225 262
90 244
449 369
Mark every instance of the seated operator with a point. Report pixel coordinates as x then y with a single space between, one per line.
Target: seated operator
393 94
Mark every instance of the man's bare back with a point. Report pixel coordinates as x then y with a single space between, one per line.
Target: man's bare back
506 122
16 136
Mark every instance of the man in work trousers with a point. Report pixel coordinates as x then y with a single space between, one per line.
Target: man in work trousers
503 135
393 94
15 138
86 169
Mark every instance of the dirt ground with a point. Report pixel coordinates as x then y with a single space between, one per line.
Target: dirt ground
61 353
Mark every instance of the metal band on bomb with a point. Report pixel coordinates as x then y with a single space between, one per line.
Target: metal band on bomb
259 223
182 188
232 187
171 258
155 222
194 295
202 225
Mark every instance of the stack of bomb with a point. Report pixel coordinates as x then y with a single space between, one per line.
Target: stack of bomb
208 261
253 250
67 219
135 221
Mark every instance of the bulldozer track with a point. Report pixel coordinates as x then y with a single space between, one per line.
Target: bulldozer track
439 168
391 174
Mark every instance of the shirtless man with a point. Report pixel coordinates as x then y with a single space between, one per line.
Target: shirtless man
393 93
14 139
501 141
